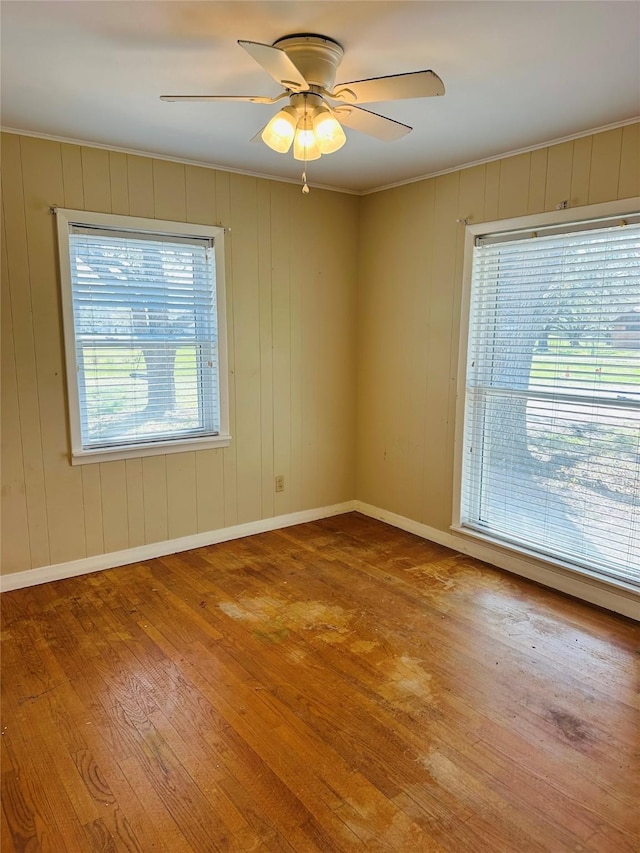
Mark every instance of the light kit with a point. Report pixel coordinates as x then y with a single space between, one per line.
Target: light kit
310 127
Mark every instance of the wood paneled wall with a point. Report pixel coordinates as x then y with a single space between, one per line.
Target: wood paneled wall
410 268
291 294
308 349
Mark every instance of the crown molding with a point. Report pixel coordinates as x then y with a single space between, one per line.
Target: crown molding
184 162
427 176
503 156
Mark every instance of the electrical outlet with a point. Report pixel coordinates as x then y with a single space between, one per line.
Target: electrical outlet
280 483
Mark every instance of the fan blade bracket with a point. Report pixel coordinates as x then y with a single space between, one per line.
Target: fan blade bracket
347 96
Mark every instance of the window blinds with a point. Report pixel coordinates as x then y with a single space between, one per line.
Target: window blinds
144 310
551 457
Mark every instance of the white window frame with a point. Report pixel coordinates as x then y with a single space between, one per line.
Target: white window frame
629 206
163 228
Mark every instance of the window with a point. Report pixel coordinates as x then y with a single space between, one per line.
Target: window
144 326
551 439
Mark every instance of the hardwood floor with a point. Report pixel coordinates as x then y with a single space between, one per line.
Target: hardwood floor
335 686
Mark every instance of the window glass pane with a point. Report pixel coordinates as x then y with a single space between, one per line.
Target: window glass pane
552 420
145 328
138 394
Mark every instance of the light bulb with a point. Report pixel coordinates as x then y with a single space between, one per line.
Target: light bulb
279 133
305 145
328 131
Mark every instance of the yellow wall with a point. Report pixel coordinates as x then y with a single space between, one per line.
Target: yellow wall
319 331
291 291
410 277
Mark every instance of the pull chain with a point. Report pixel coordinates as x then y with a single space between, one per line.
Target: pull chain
305 185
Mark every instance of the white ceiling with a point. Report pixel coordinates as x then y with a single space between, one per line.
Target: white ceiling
517 74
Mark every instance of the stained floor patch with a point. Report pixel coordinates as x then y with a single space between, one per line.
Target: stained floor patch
273 618
468 790
571 728
409 684
363 647
236 612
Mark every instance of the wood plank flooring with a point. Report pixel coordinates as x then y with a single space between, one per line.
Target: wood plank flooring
335 686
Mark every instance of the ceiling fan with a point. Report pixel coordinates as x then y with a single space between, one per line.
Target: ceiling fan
305 65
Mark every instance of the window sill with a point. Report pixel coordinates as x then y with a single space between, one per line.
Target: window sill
155 448
547 562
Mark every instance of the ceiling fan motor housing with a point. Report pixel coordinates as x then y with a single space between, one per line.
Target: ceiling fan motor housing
316 57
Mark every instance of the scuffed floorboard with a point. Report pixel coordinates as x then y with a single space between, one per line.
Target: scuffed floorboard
336 686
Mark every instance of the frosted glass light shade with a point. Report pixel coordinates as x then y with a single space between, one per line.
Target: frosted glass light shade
305 145
279 133
328 131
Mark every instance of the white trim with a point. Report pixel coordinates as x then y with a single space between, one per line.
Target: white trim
138 152
87 565
621 207
492 159
135 224
223 439
603 594
607 595
65 218
521 551
155 448
461 380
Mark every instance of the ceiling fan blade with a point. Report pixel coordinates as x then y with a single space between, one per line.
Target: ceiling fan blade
258 136
385 129
277 64
416 84
254 99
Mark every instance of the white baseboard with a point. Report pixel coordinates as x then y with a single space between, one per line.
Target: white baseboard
609 596
100 562
594 591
